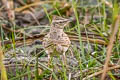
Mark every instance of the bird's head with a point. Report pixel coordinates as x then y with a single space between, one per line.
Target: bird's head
59 22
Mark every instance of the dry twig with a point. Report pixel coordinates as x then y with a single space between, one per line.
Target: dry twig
22 3
100 72
110 46
30 39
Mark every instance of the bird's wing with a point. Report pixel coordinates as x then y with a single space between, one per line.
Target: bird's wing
46 41
64 40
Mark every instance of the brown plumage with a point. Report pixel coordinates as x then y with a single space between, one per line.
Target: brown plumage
56 41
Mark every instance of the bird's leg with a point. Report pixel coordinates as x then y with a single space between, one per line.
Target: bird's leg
49 63
49 60
71 52
64 59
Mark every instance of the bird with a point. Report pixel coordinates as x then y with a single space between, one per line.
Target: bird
57 42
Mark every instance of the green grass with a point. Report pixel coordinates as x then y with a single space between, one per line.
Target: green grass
89 56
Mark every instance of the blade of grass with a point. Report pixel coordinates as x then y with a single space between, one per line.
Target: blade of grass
47 14
36 71
29 75
77 54
64 71
78 28
111 75
74 5
104 15
2 66
57 11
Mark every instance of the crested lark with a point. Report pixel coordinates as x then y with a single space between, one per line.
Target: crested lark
56 41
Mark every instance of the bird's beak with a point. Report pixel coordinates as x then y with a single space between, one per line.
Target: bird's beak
67 20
